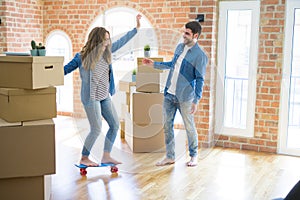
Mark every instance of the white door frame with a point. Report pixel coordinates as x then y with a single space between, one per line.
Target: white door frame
285 85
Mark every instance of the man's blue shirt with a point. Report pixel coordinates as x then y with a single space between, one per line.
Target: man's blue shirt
191 75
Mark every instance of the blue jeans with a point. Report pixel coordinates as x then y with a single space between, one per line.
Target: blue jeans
94 110
171 104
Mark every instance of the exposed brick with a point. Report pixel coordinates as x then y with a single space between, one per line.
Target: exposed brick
249 147
267 149
232 145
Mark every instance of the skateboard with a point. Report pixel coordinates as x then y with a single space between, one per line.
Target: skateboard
82 167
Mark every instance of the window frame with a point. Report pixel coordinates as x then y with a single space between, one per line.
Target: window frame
283 131
224 7
67 89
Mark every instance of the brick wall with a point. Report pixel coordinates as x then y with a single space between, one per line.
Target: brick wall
3 29
167 17
75 16
204 117
21 22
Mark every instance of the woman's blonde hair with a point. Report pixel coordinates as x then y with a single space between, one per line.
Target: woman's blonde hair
93 49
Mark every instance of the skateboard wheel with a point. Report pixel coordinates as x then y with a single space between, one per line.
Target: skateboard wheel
83 172
113 169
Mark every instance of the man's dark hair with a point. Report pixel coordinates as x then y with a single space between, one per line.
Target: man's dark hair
194 26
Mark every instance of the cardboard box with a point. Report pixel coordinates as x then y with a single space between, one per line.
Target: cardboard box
122 129
125 85
151 82
33 188
146 69
147 108
144 138
124 109
25 105
31 72
27 149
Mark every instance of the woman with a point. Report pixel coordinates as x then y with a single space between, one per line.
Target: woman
97 84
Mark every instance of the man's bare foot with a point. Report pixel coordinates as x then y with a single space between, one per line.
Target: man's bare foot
107 159
193 162
166 161
86 161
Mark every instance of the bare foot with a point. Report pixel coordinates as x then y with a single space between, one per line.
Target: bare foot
107 159
166 161
110 160
86 161
193 162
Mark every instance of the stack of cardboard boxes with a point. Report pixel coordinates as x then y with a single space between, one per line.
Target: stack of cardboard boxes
144 123
27 131
126 86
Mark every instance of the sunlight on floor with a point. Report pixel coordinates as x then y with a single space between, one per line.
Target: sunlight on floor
222 174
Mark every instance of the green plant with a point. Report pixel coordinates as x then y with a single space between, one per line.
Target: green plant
147 47
41 46
134 72
33 44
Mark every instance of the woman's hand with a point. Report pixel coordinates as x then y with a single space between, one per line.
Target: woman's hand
138 24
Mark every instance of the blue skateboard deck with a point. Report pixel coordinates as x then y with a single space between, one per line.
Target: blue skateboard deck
83 167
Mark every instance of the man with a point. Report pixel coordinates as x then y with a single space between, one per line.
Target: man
183 90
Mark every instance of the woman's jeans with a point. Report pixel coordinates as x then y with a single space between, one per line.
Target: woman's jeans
94 110
171 105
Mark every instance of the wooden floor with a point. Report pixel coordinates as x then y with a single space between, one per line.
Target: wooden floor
222 174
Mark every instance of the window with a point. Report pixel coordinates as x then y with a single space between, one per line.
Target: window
59 44
237 64
289 124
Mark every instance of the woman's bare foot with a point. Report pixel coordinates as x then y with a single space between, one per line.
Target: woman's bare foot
166 161
193 162
107 159
86 161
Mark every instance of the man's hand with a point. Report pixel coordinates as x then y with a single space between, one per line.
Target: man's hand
138 23
148 62
193 108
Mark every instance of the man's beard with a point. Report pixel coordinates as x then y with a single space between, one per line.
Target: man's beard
188 41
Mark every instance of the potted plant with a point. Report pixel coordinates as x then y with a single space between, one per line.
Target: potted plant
41 49
133 75
147 50
33 51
